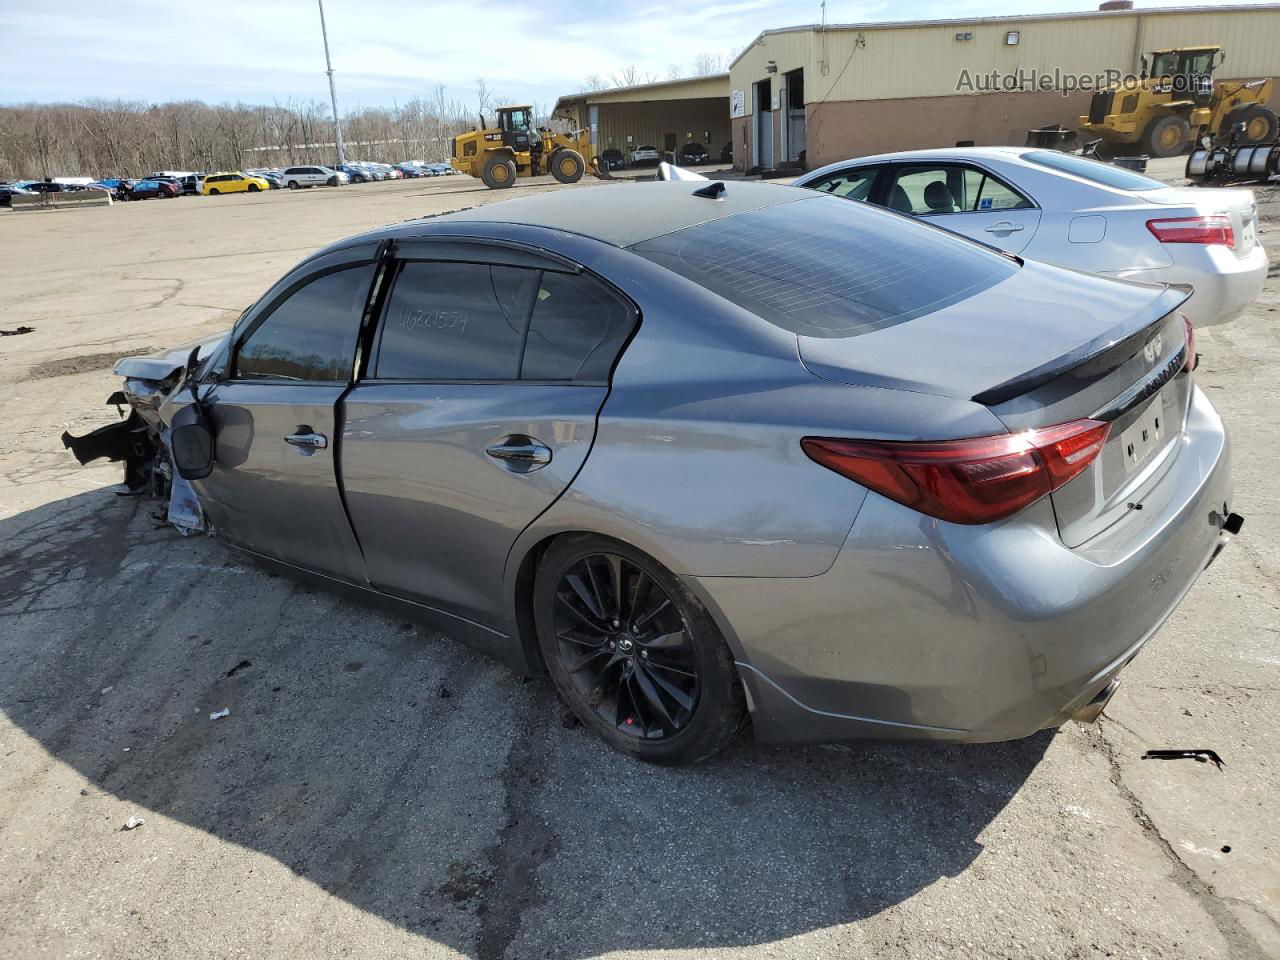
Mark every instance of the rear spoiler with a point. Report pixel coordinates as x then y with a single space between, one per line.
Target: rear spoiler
1105 352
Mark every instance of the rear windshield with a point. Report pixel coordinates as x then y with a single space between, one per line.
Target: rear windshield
826 267
1102 173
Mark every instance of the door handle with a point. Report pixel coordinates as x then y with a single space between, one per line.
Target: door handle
312 441
520 453
1004 226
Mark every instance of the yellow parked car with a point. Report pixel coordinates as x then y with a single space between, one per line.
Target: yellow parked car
216 183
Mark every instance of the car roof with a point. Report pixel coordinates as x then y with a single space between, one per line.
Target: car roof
626 214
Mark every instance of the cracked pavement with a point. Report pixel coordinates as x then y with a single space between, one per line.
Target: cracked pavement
379 791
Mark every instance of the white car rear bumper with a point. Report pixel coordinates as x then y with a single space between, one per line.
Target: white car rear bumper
1225 284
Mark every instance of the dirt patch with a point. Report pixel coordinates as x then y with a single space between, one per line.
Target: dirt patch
86 363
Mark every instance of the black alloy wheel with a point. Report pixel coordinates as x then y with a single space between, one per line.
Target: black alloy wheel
634 654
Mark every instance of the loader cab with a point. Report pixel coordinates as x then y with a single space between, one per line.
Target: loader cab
1186 70
516 124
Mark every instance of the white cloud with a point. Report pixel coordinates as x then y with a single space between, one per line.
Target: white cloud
390 49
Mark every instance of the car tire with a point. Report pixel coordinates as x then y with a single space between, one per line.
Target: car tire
499 172
213 191
332 182
660 685
1167 136
567 166
254 188
293 184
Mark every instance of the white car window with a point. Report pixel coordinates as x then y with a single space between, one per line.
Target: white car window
852 184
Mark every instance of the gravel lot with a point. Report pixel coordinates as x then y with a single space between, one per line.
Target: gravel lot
381 792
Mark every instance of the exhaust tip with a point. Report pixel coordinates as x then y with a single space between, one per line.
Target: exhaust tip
1089 712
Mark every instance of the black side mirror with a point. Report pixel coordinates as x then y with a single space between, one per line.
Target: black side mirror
191 443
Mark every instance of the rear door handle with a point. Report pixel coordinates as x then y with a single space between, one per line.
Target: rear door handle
1004 226
312 441
520 453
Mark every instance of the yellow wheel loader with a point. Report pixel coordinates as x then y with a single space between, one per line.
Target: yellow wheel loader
515 148
1177 101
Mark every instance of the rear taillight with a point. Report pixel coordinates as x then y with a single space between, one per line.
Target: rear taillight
977 480
1215 228
1193 358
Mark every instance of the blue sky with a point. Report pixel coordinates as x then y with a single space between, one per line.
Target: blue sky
389 50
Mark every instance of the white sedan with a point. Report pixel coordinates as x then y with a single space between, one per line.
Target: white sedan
1075 212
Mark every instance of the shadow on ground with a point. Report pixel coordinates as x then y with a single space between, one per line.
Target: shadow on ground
430 787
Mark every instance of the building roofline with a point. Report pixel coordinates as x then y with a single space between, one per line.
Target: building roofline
1012 18
638 86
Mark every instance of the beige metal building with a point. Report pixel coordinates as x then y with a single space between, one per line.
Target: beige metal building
823 93
665 115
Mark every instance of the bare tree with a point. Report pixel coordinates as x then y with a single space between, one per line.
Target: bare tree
706 64
674 72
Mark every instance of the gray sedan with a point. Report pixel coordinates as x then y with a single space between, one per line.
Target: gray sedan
708 453
1075 212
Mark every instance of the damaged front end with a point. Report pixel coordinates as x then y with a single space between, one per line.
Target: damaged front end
141 440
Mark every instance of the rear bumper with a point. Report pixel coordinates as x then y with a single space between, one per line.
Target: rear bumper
1225 284
928 630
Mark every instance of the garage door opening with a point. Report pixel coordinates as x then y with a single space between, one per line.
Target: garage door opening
764 125
793 116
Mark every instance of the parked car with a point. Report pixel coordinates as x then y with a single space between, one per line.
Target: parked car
238 182
441 169
153 190
648 154
613 159
413 170
696 451
356 172
693 153
9 190
191 183
1075 212
314 176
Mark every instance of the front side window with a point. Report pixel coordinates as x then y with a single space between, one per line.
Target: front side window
455 321
311 335
853 184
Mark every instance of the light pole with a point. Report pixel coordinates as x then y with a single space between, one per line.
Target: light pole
333 91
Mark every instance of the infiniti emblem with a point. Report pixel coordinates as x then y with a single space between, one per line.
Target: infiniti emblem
1151 350
625 645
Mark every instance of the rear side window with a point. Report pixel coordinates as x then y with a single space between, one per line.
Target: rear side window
850 184
455 321
824 268
311 335
1102 173
985 192
471 321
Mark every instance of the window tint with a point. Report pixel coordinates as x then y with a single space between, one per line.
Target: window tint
926 190
577 329
832 269
312 334
1102 173
852 184
984 192
455 321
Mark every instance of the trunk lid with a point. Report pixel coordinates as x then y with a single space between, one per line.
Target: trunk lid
1048 346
